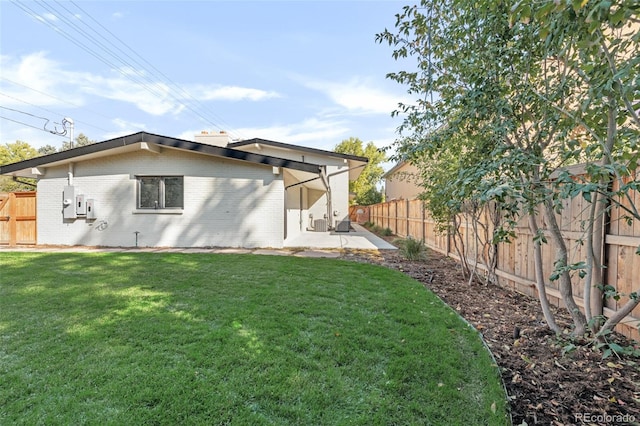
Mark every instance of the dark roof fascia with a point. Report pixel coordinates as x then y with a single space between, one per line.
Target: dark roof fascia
161 141
298 148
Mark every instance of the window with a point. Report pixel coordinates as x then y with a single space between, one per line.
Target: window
160 192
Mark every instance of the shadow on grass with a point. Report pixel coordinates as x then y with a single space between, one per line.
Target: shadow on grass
244 339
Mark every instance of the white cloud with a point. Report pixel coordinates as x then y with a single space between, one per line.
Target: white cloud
313 132
49 17
358 95
123 128
233 93
38 80
44 82
153 99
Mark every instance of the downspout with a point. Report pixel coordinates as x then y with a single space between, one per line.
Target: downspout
70 174
325 182
320 176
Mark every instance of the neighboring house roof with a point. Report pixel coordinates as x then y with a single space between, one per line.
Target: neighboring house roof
148 141
395 168
297 148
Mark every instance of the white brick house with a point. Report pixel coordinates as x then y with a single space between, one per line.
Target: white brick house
156 191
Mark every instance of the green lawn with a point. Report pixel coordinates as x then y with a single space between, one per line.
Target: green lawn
147 338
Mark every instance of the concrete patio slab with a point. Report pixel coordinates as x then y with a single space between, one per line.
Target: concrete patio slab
308 244
358 238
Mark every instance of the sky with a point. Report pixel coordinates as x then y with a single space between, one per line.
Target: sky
308 73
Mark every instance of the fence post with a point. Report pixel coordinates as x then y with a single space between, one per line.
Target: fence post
13 223
406 213
424 224
449 237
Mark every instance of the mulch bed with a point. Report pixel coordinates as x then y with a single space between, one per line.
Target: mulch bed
548 382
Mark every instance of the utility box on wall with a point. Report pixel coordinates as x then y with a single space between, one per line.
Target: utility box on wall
69 202
81 206
91 209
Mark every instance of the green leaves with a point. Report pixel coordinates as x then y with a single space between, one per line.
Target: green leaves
510 96
364 187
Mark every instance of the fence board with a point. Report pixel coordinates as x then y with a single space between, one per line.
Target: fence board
18 218
515 260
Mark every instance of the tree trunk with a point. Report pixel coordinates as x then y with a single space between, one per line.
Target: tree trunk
540 284
619 315
458 244
564 281
593 282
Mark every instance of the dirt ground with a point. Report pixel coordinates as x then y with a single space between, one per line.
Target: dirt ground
548 382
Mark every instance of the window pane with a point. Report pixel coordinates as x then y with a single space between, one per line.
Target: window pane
149 193
173 191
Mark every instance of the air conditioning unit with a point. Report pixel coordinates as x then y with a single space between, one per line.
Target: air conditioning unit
320 225
342 225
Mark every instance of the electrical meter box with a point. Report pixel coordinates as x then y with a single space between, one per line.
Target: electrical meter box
69 202
81 205
91 209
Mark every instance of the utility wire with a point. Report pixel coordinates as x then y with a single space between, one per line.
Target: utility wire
47 120
160 73
29 125
84 47
52 112
63 101
145 81
149 85
29 114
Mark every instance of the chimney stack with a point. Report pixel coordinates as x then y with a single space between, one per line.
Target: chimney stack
212 138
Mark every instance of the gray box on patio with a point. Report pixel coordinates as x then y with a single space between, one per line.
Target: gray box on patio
342 225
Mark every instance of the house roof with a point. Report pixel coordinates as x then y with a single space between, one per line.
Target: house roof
148 141
395 168
398 167
298 148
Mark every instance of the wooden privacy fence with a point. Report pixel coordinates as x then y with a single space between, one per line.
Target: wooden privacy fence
515 260
359 214
18 218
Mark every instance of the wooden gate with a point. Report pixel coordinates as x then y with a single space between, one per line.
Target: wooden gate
18 218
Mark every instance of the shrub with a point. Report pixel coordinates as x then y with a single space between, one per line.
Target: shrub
368 225
412 249
386 232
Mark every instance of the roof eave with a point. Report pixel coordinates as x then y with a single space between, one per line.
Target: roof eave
20 168
298 148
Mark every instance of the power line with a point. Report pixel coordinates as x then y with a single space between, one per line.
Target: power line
148 84
29 125
52 112
47 121
26 113
142 79
188 95
84 47
61 100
